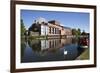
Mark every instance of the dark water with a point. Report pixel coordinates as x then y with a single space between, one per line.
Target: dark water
50 50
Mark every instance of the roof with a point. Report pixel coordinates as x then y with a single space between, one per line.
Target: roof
66 27
40 20
54 22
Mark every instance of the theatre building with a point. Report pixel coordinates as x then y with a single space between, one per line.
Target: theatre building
42 27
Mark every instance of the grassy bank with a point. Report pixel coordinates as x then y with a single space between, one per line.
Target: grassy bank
84 55
37 37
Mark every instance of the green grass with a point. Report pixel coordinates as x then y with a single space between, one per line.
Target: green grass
84 55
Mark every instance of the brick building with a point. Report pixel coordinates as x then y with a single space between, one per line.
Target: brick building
50 28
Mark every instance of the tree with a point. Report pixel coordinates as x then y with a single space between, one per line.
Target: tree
73 31
83 33
76 32
79 31
23 29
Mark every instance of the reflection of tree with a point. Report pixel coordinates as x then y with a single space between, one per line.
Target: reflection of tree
23 46
35 45
74 40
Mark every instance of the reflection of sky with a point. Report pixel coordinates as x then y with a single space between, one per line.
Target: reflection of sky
68 19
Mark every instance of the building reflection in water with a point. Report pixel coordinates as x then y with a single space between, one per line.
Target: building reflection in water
50 50
51 44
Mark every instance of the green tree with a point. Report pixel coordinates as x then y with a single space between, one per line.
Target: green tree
23 29
79 31
76 32
73 31
83 33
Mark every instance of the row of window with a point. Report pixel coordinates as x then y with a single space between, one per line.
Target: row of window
54 30
45 29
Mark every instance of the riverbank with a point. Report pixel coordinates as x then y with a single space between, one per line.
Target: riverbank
52 37
84 55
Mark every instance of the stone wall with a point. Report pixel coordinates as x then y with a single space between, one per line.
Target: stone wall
34 33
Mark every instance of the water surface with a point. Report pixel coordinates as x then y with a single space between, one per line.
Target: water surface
50 50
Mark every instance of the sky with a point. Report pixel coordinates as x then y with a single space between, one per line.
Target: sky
67 19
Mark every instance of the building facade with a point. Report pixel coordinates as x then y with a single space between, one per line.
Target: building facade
48 28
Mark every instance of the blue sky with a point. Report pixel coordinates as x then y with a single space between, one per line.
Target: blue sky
68 19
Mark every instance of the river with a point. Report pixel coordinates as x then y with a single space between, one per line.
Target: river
43 50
